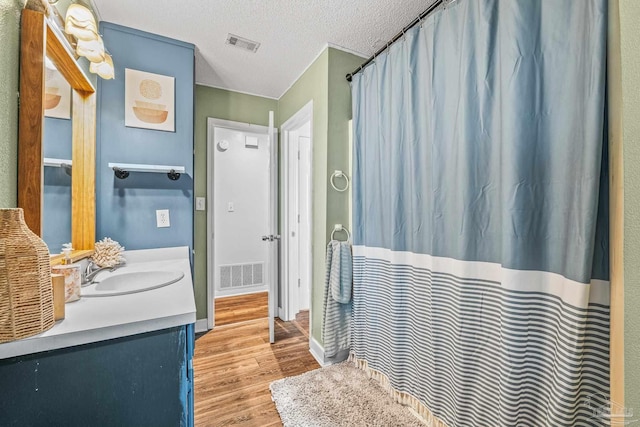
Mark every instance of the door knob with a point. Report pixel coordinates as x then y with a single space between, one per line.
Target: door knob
265 238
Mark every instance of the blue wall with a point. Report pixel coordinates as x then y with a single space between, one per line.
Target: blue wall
56 221
126 209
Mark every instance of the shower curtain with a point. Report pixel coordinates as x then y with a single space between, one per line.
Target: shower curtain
481 290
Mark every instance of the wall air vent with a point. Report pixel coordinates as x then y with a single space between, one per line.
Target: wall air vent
241 275
242 43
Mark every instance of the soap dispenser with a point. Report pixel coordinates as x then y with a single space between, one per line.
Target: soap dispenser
71 273
66 251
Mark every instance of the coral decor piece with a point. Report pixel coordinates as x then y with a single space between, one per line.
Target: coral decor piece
108 253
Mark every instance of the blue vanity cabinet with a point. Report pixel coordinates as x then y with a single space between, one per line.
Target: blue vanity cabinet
139 380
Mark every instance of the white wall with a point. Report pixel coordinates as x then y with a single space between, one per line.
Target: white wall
241 177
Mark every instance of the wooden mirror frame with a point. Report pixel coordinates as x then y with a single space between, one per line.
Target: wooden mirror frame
40 39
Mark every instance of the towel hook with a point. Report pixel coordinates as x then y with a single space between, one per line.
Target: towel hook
339 227
339 174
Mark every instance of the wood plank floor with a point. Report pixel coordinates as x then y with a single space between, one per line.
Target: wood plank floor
302 322
241 308
234 365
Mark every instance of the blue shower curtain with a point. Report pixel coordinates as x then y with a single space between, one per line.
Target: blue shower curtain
480 214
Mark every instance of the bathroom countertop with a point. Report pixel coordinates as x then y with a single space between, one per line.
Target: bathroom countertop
97 319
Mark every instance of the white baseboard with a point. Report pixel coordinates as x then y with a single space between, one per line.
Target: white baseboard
236 293
317 351
201 326
283 317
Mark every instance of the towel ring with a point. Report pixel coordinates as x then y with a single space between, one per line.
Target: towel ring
339 174
339 227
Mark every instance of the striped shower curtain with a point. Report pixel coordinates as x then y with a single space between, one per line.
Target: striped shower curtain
480 210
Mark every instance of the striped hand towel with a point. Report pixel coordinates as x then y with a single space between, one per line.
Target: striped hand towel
337 298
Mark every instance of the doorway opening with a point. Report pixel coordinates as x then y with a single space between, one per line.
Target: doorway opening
296 218
241 269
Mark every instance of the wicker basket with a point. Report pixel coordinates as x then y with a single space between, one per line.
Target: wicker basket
26 297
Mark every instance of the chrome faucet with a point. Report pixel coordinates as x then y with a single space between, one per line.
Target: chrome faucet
92 271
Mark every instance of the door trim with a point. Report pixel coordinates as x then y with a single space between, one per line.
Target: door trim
212 123
302 116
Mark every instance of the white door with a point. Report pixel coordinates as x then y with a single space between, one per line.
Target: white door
304 224
273 239
293 235
298 224
242 210
297 217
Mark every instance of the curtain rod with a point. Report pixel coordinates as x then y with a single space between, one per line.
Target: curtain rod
419 19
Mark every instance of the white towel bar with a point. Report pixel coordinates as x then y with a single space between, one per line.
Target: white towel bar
339 174
339 227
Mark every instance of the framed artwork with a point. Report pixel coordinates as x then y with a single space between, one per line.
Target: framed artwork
57 95
149 100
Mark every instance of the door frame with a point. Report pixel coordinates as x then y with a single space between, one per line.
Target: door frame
213 123
302 116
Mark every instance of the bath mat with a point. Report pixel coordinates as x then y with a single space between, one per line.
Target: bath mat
338 395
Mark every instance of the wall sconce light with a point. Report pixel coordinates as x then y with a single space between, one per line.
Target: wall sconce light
80 23
93 50
104 69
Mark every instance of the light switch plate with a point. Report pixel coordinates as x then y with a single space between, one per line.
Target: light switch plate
200 203
251 141
162 218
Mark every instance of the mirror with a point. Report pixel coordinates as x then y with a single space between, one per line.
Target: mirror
40 43
56 208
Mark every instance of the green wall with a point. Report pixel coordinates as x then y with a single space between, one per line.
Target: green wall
338 155
219 104
314 85
630 40
324 82
9 84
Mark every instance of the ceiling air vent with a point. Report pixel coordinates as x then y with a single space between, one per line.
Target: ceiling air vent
242 43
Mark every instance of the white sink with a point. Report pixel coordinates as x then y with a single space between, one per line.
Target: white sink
131 282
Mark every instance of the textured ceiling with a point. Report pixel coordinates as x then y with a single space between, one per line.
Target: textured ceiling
291 32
